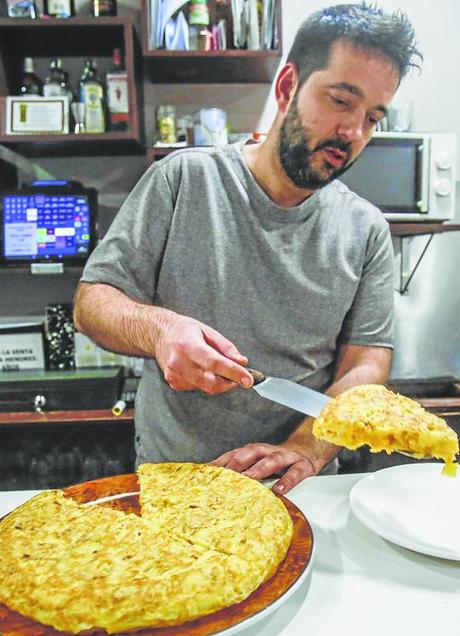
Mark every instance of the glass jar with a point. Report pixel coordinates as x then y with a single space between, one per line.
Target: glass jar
166 124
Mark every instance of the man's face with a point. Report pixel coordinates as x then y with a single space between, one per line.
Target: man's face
333 115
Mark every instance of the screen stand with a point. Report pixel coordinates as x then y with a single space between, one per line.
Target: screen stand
47 268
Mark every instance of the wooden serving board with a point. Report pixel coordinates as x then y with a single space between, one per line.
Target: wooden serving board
289 571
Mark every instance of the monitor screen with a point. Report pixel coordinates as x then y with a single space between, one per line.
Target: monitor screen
43 226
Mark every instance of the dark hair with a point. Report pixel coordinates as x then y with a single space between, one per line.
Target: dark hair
364 25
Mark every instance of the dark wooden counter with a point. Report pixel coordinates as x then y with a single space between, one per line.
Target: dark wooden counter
444 407
86 417
55 449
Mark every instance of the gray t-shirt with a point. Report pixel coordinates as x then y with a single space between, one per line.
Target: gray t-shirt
199 236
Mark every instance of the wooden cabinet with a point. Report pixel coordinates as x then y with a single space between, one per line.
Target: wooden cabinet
226 66
74 40
55 449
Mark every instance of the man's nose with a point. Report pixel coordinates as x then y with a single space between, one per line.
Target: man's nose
351 128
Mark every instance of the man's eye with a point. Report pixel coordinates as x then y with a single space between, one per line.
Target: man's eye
339 101
373 120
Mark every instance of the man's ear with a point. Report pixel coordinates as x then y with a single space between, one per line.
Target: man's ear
286 86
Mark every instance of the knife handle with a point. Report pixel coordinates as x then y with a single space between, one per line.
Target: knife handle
257 375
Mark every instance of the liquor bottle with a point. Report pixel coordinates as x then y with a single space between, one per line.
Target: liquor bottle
57 83
30 84
59 8
117 93
92 96
103 7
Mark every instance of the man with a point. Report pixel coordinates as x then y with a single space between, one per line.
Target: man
254 253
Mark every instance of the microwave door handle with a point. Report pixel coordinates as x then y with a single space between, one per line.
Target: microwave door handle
424 177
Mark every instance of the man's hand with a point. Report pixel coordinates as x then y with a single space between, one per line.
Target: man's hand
190 354
193 356
260 461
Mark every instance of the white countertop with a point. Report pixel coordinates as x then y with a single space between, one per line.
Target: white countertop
360 584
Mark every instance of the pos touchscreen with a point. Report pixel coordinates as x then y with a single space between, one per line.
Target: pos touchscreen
47 222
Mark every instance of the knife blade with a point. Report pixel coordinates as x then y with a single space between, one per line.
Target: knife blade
288 393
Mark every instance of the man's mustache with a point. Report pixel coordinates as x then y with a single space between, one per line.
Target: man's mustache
340 144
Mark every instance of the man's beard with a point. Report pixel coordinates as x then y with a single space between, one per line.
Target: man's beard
296 155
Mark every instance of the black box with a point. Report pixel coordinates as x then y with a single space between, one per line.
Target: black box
60 349
60 390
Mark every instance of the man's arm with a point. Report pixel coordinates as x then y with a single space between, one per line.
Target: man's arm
302 455
191 354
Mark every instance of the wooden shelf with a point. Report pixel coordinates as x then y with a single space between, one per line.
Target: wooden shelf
74 39
413 229
115 143
209 67
74 271
206 67
404 230
153 154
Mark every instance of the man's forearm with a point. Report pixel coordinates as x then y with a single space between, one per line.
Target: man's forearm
303 441
117 322
356 365
191 354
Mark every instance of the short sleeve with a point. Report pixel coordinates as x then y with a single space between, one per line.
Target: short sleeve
370 319
130 254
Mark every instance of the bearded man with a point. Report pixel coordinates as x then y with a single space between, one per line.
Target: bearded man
256 252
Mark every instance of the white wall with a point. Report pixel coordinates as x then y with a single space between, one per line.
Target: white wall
436 92
427 336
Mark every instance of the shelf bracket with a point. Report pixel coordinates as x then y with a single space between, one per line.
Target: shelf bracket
405 277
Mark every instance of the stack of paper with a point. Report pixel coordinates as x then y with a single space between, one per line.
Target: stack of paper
172 32
252 30
270 26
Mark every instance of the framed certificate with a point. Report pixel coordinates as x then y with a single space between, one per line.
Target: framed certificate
36 115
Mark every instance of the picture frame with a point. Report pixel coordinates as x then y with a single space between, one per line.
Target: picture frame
37 115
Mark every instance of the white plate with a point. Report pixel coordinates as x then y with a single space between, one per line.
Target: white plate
414 506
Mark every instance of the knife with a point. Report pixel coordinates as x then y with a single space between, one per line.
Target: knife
288 393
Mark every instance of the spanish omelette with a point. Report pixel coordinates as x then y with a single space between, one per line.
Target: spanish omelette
386 421
78 567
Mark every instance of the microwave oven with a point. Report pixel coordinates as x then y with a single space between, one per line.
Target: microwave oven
409 176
